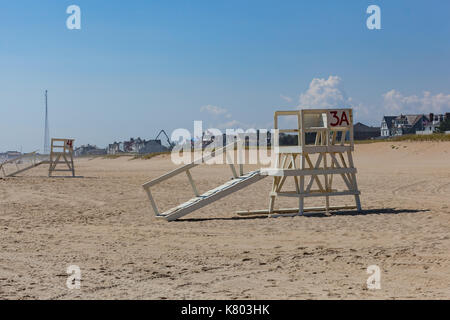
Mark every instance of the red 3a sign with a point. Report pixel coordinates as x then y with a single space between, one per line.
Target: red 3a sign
339 118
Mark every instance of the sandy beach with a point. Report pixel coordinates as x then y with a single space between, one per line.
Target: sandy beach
102 222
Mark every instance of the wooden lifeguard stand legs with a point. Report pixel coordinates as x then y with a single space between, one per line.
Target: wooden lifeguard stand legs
355 184
332 133
326 165
56 154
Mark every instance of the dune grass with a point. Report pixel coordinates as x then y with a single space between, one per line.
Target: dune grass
149 155
115 156
418 137
410 137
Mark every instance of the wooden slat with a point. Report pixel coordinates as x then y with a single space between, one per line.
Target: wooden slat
292 210
212 195
191 181
316 194
169 175
287 113
314 177
312 149
305 172
152 201
24 169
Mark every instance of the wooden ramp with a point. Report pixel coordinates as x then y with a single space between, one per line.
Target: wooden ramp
212 195
34 165
240 180
18 165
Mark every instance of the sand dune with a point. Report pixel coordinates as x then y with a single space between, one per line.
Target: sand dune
102 222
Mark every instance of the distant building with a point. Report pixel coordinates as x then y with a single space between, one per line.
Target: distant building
140 146
411 124
13 154
88 150
386 126
115 148
9 155
151 146
363 132
434 121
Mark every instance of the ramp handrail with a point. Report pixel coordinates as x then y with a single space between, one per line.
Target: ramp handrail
18 158
186 169
14 160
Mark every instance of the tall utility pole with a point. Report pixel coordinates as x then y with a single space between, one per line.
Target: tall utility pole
47 131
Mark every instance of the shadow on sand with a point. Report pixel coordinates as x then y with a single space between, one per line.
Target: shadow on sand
314 215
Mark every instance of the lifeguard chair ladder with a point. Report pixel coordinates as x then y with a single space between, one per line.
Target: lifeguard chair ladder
327 133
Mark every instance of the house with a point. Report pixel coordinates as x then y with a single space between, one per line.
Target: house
409 124
12 154
386 126
412 124
5 156
114 148
434 121
363 132
130 146
150 146
91 150
138 145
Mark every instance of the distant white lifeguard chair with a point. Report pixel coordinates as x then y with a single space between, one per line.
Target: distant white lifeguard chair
61 148
327 133
61 152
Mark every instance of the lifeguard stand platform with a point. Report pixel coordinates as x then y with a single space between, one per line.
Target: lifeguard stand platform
327 135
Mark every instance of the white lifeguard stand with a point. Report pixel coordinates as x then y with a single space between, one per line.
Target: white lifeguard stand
323 150
61 148
327 135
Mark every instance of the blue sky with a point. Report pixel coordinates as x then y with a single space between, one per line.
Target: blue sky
136 67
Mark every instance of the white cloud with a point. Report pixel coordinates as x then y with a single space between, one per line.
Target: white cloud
396 103
286 98
323 93
329 93
214 110
219 114
236 124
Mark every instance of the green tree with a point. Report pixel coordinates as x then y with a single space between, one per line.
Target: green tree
445 125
